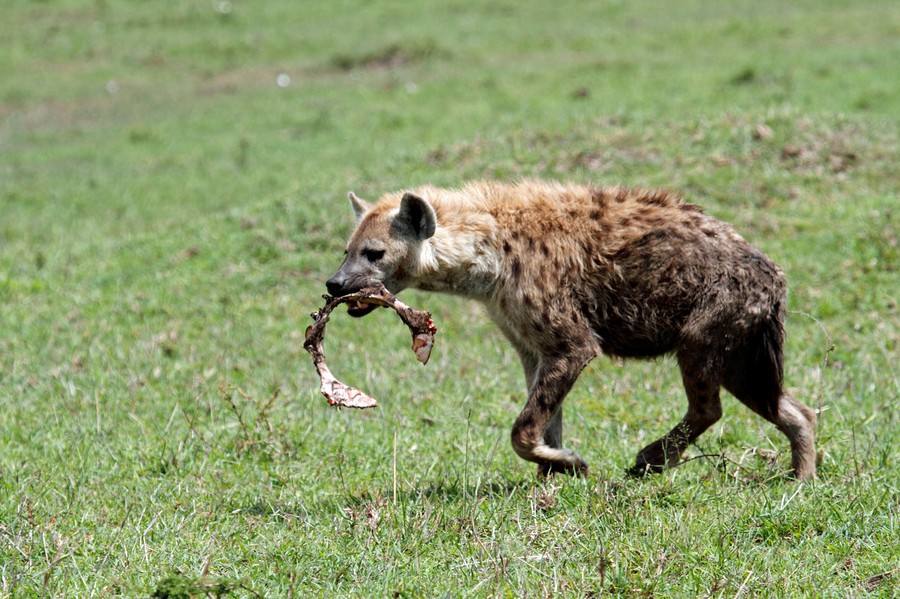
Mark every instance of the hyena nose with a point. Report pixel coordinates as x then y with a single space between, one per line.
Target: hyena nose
335 285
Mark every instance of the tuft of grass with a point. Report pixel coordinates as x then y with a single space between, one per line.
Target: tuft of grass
393 55
745 76
179 586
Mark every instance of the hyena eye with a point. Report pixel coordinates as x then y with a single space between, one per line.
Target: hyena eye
373 255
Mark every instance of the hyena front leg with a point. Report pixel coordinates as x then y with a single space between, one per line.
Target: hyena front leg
553 439
701 383
537 433
530 362
553 432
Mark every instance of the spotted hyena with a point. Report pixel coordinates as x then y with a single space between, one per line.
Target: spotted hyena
568 272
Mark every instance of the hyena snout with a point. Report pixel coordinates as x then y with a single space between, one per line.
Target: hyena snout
337 285
340 284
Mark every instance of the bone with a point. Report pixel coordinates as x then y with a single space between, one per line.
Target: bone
340 394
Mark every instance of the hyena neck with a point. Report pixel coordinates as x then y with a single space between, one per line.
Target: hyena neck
461 259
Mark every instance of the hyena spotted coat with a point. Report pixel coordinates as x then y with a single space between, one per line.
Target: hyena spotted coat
569 272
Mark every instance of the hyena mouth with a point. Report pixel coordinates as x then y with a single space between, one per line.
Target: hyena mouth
359 309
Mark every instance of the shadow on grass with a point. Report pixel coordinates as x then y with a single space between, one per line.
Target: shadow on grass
455 491
444 491
449 491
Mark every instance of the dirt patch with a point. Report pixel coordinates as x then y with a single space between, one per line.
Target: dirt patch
821 149
234 80
54 114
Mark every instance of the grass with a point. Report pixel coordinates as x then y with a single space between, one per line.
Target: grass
168 214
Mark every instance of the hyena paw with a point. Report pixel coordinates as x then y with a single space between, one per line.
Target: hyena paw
656 457
648 463
575 467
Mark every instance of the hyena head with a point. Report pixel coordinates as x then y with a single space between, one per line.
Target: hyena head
384 248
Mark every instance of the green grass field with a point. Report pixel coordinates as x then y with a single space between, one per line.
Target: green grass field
169 213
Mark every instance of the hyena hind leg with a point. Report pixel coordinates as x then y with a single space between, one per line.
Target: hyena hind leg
798 423
704 410
758 386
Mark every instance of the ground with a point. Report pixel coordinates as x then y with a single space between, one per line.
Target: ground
172 198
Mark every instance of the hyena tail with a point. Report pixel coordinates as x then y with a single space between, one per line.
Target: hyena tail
755 372
769 363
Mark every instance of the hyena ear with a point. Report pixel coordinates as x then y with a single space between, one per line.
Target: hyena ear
417 216
358 204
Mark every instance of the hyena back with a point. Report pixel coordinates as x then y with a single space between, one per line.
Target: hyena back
568 272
